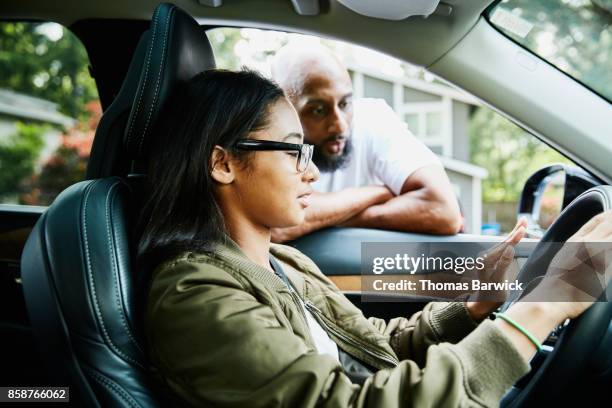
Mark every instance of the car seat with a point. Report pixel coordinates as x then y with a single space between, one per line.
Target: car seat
78 265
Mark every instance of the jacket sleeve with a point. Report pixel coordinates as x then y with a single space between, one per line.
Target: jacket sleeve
438 322
216 344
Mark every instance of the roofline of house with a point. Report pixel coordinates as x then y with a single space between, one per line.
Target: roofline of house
47 117
418 84
32 108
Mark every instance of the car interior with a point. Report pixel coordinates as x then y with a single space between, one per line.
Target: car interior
70 296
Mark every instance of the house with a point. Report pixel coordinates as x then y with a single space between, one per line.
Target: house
16 107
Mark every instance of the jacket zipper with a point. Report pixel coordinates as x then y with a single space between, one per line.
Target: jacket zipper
320 317
297 301
348 340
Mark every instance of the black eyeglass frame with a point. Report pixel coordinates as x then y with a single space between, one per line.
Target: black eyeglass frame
304 150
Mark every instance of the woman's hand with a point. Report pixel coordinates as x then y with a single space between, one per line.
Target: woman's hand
577 274
588 250
497 261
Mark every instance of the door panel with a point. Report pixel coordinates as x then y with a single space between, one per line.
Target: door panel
337 252
16 222
21 363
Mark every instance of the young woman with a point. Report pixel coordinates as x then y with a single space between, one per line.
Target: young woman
235 321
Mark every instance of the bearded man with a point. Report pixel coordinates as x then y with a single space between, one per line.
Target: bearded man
374 172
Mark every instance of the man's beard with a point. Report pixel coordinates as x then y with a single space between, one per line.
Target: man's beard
327 163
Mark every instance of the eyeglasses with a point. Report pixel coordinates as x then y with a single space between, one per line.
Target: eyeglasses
304 151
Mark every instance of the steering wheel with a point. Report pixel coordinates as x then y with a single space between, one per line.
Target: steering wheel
575 348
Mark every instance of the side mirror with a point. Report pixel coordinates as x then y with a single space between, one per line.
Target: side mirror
548 191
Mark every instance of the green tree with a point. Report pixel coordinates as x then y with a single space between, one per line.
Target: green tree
18 154
66 165
223 41
257 46
47 61
575 35
64 168
509 154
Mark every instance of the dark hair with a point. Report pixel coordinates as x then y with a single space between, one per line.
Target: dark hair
216 107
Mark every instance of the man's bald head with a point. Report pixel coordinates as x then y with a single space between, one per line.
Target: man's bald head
294 64
319 87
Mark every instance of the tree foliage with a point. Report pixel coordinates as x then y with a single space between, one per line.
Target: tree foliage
47 61
68 163
18 154
574 35
223 41
509 154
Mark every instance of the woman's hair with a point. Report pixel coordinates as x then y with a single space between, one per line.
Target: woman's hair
216 107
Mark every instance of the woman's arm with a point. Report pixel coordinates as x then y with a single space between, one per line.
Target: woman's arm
438 322
450 322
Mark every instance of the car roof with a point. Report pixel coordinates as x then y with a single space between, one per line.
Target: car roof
418 40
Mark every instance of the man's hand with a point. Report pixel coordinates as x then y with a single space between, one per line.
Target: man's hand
331 209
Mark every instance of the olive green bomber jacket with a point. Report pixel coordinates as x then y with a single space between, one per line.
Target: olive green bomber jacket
224 331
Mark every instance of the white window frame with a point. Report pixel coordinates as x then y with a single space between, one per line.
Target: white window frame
421 109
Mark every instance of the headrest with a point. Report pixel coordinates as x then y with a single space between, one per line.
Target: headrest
178 50
171 52
107 155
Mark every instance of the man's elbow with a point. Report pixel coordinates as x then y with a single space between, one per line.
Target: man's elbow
446 219
452 224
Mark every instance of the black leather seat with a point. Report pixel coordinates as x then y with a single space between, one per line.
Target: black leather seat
77 266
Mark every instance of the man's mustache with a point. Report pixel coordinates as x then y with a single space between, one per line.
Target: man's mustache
335 138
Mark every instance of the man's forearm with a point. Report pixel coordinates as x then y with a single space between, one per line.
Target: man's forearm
415 211
328 209
427 204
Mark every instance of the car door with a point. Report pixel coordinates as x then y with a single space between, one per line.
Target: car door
18 350
338 253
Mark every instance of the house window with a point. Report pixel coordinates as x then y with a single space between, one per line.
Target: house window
433 124
429 116
426 121
412 121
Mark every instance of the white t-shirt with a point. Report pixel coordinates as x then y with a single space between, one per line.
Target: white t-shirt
322 341
384 151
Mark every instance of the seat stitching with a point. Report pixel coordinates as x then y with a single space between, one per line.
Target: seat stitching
111 385
92 284
114 268
146 76
155 94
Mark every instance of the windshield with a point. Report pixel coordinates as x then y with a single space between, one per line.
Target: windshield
573 35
